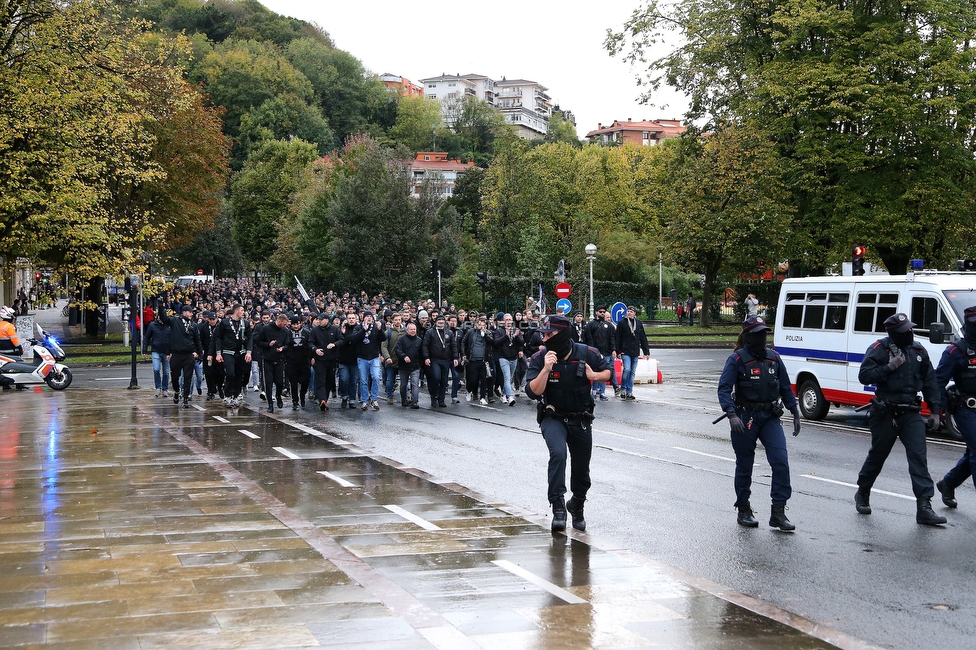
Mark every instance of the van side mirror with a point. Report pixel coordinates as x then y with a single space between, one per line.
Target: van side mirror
937 333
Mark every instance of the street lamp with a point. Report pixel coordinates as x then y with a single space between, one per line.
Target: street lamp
591 255
660 276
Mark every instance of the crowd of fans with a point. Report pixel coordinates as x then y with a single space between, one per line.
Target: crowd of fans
235 335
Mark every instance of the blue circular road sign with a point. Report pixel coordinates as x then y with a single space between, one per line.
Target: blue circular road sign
618 312
563 305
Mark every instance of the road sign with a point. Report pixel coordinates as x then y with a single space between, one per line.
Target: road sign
563 290
618 311
563 305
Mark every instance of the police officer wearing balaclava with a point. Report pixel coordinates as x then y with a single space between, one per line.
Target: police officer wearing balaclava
750 389
559 376
959 365
900 368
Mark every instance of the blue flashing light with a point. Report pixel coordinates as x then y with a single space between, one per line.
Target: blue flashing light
917 265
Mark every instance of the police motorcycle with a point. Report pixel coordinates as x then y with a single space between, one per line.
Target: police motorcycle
44 368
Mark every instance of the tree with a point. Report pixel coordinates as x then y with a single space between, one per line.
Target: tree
562 130
417 118
476 125
722 210
283 117
212 249
869 104
261 192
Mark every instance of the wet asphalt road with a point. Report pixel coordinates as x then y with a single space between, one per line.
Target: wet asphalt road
662 486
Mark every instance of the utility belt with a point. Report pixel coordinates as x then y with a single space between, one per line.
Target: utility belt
775 408
956 400
544 411
897 408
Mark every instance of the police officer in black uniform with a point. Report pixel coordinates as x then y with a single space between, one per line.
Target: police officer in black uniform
749 391
559 376
959 364
900 368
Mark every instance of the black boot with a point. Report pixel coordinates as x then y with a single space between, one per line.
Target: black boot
270 407
862 501
925 515
575 508
777 518
558 515
948 494
176 397
745 517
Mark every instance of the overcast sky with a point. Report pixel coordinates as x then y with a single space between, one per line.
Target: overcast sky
560 47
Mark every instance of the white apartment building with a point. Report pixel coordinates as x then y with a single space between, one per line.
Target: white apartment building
525 105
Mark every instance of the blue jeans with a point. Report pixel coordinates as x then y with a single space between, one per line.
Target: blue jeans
440 373
768 430
629 372
455 381
966 421
370 378
508 370
391 373
348 381
160 371
198 371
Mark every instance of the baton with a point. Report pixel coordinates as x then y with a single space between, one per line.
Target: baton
863 408
720 418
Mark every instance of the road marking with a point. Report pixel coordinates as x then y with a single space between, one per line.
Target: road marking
112 378
249 434
558 592
855 486
702 453
619 435
316 433
341 481
286 453
220 419
409 516
197 407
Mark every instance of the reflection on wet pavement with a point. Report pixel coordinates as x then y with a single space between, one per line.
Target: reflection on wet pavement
127 523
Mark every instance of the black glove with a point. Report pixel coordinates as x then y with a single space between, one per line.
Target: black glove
796 422
934 422
897 359
736 422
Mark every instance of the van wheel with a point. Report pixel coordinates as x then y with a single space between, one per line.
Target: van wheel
951 428
813 406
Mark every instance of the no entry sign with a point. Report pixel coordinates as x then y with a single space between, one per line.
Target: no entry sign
563 290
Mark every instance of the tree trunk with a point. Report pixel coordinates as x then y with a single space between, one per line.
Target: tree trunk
93 294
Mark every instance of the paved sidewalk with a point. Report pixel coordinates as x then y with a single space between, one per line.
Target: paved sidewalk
126 522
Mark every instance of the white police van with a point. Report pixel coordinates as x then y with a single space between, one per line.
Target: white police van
825 325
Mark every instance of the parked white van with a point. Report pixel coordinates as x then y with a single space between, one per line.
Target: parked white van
825 325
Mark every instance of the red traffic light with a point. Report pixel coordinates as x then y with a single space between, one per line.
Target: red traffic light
859 251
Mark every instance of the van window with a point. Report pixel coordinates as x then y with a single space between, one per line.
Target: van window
926 311
872 311
816 310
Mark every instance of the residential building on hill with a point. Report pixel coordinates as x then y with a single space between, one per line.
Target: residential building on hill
525 105
436 167
644 132
401 85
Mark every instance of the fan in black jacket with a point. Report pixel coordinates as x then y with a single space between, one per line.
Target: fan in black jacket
185 349
273 339
325 355
298 355
230 347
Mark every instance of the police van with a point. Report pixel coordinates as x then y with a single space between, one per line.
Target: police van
824 326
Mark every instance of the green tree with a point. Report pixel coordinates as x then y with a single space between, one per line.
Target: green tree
870 105
562 130
476 125
261 192
214 248
416 121
283 117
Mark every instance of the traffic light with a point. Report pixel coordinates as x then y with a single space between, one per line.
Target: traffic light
966 265
483 278
857 260
433 268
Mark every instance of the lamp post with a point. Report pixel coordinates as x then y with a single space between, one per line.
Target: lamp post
660 276
591 255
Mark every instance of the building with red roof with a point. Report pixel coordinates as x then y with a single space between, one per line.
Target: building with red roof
645 133
440 170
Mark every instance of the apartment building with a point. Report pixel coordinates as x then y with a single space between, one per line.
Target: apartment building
525 105
442 172
401 85
645 133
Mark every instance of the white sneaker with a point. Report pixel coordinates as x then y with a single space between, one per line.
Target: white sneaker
468 397
511 401
255 388
484 402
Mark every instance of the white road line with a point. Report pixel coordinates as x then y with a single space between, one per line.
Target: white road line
250 435
854 485
702 453
338 479
198 407
220 419
558 592
409 516
112 378
619 435
316 433
286 453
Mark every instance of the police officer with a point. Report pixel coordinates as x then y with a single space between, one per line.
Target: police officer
758 378
959 364
559 376
900 368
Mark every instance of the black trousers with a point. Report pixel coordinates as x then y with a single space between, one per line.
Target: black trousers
885 428
274 377
325 378
236 373
182 364
298 376
213 372
477 379
577 437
